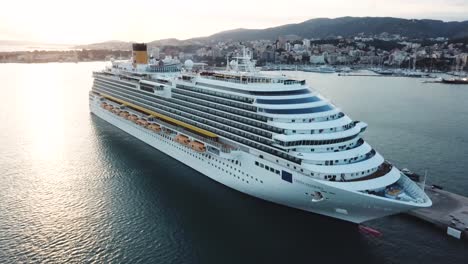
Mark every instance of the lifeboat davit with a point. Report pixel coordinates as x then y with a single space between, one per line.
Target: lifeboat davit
198 146
184 140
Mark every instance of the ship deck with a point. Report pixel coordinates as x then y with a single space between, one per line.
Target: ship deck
383 169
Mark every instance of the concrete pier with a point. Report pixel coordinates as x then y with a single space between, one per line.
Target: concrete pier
449 212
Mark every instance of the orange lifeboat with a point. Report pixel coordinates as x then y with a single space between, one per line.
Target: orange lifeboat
197 146
124 114
154 127
142 122
132 118
184 140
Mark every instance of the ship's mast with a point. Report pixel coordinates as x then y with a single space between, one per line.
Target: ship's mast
244 62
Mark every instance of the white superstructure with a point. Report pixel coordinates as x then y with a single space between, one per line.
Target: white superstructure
268 136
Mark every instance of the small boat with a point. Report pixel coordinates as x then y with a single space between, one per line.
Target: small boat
124 114
321 69
385 72
198 146
455 81
345 69
416 74
142 122
410 73
184 140
381 71
132 118
154 127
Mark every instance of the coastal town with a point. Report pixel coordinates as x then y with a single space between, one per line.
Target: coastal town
70 55
361 51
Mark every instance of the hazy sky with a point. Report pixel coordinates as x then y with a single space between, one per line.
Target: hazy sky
86 21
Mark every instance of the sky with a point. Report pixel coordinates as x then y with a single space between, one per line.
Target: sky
91 21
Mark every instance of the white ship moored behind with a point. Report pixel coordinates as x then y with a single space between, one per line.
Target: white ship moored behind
268 136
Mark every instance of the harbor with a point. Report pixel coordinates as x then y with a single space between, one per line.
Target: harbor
118 190
245 132
449 212
459 77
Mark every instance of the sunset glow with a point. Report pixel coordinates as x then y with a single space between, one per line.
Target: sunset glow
87 21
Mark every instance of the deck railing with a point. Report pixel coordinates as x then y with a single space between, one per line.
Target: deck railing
248 80
382 170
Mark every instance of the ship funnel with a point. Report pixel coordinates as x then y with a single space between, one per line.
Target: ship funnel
139 53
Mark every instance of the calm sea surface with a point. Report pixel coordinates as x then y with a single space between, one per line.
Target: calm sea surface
74 189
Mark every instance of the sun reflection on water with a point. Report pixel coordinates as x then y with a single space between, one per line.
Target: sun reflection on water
44 109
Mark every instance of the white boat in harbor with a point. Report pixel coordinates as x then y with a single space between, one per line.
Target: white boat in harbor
344 69
381 71
320 69
412 73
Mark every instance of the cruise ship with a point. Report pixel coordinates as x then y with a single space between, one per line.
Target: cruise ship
265 135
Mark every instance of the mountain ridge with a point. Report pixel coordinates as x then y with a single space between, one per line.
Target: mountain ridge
326 27
351 26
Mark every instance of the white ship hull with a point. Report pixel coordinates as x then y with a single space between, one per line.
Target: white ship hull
248 178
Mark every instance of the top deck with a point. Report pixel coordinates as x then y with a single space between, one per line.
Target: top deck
248 78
